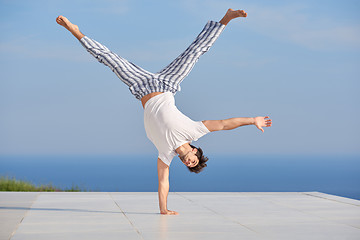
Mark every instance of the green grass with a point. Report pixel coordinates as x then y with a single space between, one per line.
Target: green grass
11 184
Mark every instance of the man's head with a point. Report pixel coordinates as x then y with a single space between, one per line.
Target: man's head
194 159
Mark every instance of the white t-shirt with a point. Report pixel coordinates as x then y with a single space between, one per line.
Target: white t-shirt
168 128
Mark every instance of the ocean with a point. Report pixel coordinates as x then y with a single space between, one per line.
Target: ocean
336 174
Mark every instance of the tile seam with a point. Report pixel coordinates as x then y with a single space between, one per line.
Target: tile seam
308 213
131 223
26 213
309 194
227 218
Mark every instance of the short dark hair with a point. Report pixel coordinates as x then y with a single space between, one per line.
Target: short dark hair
202 161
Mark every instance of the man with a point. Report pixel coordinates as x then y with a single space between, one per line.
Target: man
169 130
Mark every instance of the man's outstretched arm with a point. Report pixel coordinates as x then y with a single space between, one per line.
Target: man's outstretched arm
232 123
163 190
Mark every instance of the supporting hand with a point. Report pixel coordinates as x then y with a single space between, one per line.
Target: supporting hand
262 122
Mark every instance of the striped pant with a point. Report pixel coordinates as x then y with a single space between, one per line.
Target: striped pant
142 82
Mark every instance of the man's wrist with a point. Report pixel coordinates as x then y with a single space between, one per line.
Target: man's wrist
252 121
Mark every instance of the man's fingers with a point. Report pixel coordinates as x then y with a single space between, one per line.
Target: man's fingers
268 121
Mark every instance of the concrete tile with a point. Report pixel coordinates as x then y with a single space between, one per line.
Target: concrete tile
78 235
64 227
315 231
202 216
180 222
181 235
18 195
194 227
74 218
334 198
13 207
11 215
9 224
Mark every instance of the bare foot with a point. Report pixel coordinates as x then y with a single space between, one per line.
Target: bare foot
63 21
74 29
231 14
235 13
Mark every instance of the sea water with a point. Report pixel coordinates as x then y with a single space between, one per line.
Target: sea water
337 174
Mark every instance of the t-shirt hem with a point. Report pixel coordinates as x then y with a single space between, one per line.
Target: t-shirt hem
153 99
168 164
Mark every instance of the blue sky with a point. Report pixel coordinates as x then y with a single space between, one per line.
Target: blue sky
296 61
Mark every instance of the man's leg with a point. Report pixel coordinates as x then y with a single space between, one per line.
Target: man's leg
176 71
128 72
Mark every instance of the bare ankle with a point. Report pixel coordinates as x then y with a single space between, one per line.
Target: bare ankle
225 20
78 34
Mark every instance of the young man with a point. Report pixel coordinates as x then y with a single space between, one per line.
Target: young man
169 130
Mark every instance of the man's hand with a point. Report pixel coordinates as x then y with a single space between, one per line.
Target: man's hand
168 212
260 122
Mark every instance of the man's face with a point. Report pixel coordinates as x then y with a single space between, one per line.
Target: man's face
190 159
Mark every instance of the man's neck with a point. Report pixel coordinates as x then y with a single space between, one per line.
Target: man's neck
183 149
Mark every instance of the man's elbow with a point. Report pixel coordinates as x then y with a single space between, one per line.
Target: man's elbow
222 125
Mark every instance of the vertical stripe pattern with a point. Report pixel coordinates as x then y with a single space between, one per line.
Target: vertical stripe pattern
142 82
177 70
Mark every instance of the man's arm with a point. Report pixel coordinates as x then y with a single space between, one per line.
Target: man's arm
163 190
232 123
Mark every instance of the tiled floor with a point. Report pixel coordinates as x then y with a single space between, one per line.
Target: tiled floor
287 215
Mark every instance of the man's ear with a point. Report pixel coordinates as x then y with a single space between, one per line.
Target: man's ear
194 150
